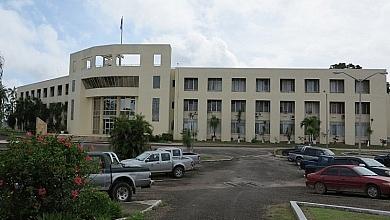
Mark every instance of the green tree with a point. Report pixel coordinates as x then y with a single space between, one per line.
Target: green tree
312 127
55 122
3 102
27 110
239 119
130 136
214 123
187 139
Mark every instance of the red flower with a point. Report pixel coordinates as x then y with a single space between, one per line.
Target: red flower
1 183
41 138
41 192
80 147
68 144
75 194
78 180
28 134
88 158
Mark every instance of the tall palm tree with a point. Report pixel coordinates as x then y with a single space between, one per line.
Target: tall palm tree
3 101
214 122
312 127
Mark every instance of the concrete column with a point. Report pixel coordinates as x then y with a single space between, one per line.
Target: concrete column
226 120
202 119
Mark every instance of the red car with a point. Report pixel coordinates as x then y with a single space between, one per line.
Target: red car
349 178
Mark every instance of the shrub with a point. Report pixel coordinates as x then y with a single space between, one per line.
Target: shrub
56 216
166 137
42 174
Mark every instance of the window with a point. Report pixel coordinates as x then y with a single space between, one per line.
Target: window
214 84
74 66
365 86
238 106
190 105
287 85
337 86
59 90
96 115
214 105
176 153
312 85
27 94
21 95
156 109
156 82
173 83
362 130
262 106
333 171
128 60
190 124
157 59
337 128
109 105
127 106
262 127
111 81
52 91
238 127
39 93
32 93
72 109
337 108
263 85
73 85
287 127
165 157
67 89
190 84
88 63
44 92
173 105
365 108
99 60
312 108
238 85
346 172
341 161
287 107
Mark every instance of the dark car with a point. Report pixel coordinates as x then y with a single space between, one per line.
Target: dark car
368 163
384 159
349 178
297 148
309 153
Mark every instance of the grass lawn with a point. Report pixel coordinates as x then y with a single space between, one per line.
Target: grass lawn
280 212
332 214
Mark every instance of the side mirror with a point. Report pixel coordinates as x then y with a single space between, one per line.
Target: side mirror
362 165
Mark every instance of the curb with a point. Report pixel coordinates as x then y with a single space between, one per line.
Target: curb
297 211
227 159
154 205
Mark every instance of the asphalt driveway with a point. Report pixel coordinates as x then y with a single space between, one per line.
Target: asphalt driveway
239 189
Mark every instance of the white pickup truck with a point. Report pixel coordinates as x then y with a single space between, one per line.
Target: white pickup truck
160 161
178 153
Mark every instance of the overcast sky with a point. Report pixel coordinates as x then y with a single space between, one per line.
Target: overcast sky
36 37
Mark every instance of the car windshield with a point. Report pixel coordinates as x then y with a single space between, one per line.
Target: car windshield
371 162
364 171
328 152
142 156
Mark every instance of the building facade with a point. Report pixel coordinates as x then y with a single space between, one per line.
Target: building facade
266 104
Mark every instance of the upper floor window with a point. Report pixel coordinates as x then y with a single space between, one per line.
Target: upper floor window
312 85
156 82
214 105
157 60
238 106
21 95
365 108
287 85
44 92
156 109
262 85
27 94
190 84
38 93
238 85
67 89
262 106
287 107
337 108
59 90
312 107
336 86
128 60
364 86
214 84
52 91
190 105
73 85
32 93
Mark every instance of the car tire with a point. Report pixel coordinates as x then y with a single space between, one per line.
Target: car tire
298 161
320 188
122 192
178 172
373 191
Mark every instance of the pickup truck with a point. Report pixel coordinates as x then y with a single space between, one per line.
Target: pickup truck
384 159
297 148
177 153
308 153
118 181
324 161
160 161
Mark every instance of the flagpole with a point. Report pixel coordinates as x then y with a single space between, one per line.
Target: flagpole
121 28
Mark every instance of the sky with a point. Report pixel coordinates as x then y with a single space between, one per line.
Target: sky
36 37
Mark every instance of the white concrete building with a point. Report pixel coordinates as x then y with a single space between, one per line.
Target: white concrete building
251 103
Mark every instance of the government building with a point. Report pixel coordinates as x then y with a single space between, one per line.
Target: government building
265 104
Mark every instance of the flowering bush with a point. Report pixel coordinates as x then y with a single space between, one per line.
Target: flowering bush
43 174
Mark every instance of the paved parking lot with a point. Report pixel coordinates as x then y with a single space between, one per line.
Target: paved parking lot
239 189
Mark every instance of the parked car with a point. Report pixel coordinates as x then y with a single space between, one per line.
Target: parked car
297 148
368 163
177 153
349 178
160 161
384 159
118 181
309 153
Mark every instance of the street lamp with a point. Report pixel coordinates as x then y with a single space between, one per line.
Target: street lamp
360 83
327 123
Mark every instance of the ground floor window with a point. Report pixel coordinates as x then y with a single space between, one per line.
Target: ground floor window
262 127
337 129
287 127
108 125
238 127
362 131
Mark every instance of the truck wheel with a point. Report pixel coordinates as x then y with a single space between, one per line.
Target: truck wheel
178 172
298 161
122 192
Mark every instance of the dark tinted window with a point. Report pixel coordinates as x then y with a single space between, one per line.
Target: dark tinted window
311 152
347 172
165 157
355 162
341 162
331 171
320 152
176 153
154 157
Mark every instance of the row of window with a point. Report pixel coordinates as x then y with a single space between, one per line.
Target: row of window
264 85
287 107
49 92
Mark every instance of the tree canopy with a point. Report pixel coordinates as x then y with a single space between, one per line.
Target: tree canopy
345 66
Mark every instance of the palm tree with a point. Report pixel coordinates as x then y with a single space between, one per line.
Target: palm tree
3 101
187 139
312 127
214 122
239 115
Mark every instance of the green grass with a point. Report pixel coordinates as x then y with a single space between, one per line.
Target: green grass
279 212
332 214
